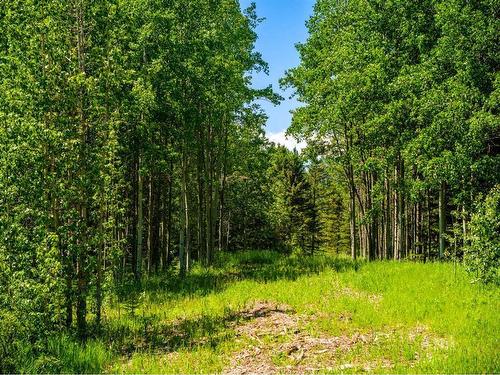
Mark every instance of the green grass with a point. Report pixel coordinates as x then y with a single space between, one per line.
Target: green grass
188 326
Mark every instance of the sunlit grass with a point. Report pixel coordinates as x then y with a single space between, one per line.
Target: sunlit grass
187 326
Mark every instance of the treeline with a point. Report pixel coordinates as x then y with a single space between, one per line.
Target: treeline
308 211
403 97
127 145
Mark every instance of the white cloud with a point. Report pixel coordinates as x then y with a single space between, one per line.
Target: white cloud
289 142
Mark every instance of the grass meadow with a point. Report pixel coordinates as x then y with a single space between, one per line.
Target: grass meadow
265 312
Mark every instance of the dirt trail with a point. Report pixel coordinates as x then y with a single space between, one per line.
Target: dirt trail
278 343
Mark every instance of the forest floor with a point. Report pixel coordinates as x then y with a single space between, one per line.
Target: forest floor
260 312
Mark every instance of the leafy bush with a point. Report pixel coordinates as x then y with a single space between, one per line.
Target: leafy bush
482 255
31 305
14 347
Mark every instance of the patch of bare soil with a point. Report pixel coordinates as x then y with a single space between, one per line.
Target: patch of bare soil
428 340
343 291
278 344
267 318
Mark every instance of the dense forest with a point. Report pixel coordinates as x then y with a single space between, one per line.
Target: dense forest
403 98
133 146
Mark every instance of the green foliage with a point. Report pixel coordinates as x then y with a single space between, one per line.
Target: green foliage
62 354
482 254
100 100
303 203
14 342
402 97
67 356
248 191
130 140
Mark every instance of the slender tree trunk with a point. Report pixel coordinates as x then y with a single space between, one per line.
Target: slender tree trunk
402 214
162 215
228 230
81 299
372 224
99 292
209 197
396 220
222 191
401 235
442 219
166 212
140 222
69 292
388 225
352 216
169 215
418 228
184 240
201 198
134 211
314 218
464 226
149 221
155 223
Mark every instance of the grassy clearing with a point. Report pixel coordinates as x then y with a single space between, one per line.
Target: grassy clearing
342 317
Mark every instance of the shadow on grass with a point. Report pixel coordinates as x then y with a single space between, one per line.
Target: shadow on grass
261 266
135 333
148 334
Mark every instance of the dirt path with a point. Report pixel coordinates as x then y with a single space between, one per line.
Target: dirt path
277 342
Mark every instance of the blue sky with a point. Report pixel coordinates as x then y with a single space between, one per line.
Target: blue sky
283 27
